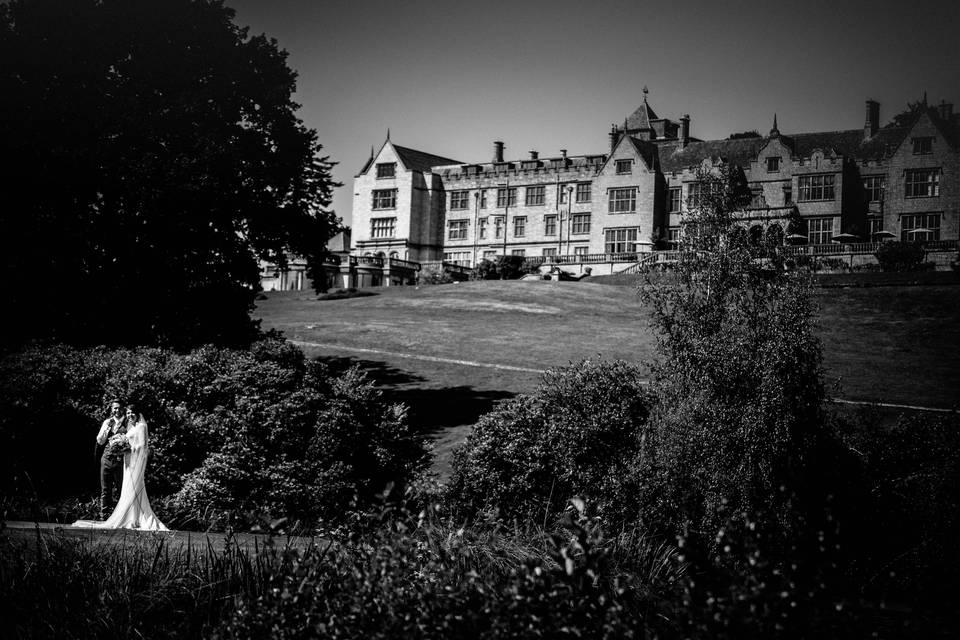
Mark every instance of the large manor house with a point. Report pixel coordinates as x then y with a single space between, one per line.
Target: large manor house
861 186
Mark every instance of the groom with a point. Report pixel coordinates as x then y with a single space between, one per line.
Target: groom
111 464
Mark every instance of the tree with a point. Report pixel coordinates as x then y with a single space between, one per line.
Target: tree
738 381
158 156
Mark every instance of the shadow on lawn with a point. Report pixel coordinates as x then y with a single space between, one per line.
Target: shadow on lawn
433 411
380 373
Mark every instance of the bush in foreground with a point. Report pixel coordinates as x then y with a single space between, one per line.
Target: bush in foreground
573 437
261 430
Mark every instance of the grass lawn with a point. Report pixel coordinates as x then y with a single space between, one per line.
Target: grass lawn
889 344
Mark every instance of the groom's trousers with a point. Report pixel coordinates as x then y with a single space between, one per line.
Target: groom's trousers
110 478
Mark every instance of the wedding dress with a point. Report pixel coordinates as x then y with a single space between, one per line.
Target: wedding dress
133 510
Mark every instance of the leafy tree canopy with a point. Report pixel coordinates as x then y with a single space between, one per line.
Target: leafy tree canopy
154 154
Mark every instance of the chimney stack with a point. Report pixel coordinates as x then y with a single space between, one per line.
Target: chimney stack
534 155
498 151
614 136
684 130
945 111
873 119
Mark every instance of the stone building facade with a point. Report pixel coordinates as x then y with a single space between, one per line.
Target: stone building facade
864 185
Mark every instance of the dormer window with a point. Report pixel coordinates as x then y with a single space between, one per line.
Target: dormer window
922 146
624 166
386 169
773 164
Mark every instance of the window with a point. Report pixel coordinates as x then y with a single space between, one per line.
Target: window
488 255
564 193
757 200
550 225
620 240
459 199
673 237
519 226
819 230
457 257
386 169
498 227
874 186
383 227
384 199
583 192
773 164
581 250
922 146
533 196
694 195
876 226
518 252
549 252
483 199
624 166
580 224
815 188
920 226
787 194
923 183
457 229
673 199
507 197
623 200
482 228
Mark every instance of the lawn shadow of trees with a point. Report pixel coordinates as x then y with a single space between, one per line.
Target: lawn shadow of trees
432 409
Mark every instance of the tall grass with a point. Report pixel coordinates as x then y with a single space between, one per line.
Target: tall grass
394 568
139 586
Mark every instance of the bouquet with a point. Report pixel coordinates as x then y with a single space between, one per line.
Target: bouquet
117 446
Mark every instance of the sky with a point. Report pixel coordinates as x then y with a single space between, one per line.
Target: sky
451 77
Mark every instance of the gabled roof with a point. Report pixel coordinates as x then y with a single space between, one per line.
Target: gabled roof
366 165
420 160
646 151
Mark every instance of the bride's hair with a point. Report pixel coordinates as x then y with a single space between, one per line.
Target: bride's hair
137 416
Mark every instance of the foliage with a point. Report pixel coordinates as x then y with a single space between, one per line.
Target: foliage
908 506
154 166
415 578
59 587
234 431
900 256
738 380
501 268
435 274
572 437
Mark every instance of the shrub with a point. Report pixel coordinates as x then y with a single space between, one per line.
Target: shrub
908 512
573 436
435 274
900 256
501 268
233 431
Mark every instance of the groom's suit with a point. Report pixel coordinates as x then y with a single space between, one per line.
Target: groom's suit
111 465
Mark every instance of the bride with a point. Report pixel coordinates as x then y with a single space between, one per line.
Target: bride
133 509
